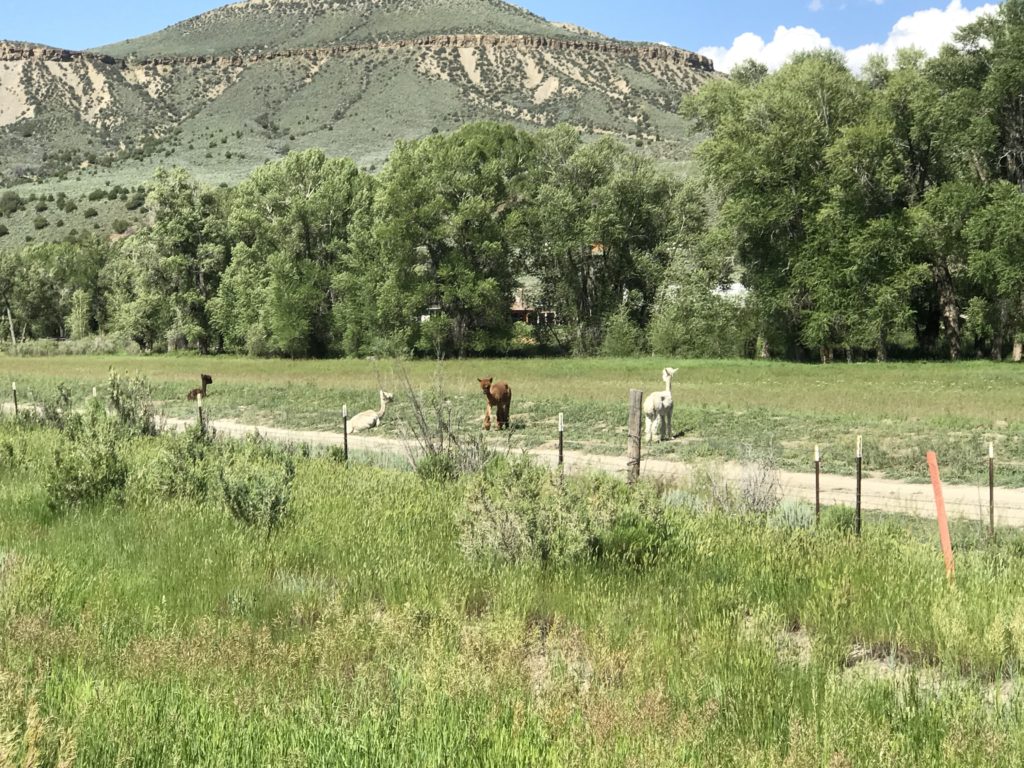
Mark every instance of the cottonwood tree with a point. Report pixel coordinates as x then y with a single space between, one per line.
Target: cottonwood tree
289 225
440 235
166 275
595 231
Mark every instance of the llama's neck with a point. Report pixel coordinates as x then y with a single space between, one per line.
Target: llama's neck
383 407
668 384
202 389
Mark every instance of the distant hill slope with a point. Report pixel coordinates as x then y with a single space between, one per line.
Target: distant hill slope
264 25
233 88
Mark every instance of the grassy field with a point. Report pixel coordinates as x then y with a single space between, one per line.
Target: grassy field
725 410
147 631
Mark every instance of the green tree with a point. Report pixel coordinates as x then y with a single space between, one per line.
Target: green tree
996 263
440 231
595 231
290 224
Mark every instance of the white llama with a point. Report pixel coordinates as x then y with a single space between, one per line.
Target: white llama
658 409
370 419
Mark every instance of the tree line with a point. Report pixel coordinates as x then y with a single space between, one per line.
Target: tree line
310 256
877 211
866 215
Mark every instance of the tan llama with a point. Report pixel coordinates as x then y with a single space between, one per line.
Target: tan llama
370 419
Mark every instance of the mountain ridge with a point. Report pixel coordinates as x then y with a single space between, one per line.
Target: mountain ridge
226 91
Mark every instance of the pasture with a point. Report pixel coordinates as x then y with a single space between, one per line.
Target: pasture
732 410
151 629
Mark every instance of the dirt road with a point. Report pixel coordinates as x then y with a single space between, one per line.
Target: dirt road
878 494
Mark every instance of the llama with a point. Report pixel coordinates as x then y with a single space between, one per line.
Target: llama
207 379
499 396
658 409
370 419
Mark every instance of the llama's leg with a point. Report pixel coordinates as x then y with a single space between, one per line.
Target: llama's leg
648 428
487 417
502 416
668 423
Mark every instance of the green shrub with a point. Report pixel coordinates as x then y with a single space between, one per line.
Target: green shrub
131 399
10 202
839 519
40 222
4 231
256 482
441 467
57 410
516 511
120 226
8 455
622 336
183 469
88 466
90 213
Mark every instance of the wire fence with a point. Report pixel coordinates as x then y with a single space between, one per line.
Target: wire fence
962 501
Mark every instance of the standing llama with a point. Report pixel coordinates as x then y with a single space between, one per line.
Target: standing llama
658 409
499 396
194 394
370 419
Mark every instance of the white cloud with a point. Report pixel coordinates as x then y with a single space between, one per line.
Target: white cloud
927 30
787 41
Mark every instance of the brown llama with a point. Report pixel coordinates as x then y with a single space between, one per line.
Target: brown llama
499 396
195 393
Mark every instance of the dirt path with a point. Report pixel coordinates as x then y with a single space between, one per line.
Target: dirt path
878 494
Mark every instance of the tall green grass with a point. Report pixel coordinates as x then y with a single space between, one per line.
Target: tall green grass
156 631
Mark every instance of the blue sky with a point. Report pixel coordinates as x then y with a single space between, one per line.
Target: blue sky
727 29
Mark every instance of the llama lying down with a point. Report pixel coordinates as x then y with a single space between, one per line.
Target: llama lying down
206 379
499 397
370 419
658 409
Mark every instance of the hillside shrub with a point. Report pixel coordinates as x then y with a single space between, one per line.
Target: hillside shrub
90 213
10 202
516 511
120 226
40 222
4 231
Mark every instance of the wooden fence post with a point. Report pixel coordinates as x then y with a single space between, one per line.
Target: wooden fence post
561 439
344 429
202 421
14 389
636 407
857 521
992 490
817 486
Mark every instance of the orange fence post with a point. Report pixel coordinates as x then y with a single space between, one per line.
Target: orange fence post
940 507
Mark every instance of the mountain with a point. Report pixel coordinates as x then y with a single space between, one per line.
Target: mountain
269 25
230 89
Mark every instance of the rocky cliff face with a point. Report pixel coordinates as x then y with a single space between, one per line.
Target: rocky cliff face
62 111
